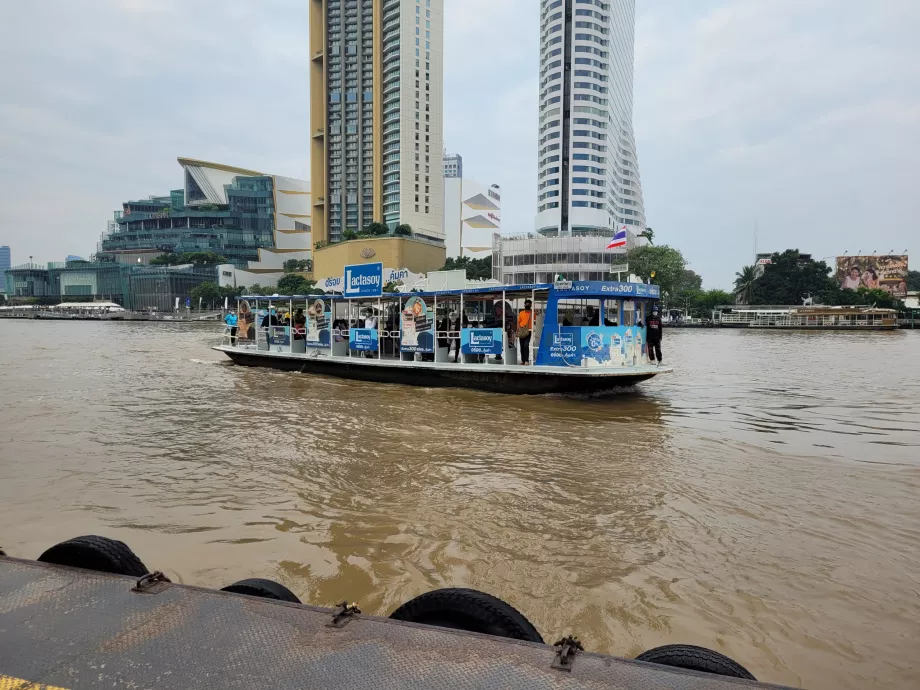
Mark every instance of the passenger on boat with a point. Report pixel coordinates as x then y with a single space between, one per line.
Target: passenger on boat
370 321
592 318
525 328
300 325
231 320
653 336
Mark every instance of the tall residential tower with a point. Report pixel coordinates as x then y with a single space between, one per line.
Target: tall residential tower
588 169
376 94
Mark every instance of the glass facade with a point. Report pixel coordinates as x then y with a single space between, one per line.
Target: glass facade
350 115
134 287
6 260
236 230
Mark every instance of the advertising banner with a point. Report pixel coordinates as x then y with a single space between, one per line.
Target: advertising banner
364 280
416 324
363 339
279 335
481 341
612 289
319 320
594 346
564 348
888 273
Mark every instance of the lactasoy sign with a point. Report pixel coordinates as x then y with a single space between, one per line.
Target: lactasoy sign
364 280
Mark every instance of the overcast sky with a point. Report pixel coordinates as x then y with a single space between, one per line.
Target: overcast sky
802 116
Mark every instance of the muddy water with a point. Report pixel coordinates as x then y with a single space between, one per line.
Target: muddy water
761 500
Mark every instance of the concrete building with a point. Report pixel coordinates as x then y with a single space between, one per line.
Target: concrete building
472 214
587 162
257 221
453 165
534 258
376 120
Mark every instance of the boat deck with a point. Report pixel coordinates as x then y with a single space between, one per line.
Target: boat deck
62 628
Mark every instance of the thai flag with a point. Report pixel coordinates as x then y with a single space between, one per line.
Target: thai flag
619 240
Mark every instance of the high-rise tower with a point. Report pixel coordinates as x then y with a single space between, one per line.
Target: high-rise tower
376 115
588 169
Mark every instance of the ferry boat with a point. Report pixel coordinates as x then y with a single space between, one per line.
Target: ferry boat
584 337
818 318
84 311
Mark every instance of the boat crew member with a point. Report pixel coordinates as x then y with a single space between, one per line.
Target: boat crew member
653 336
231 321
525 328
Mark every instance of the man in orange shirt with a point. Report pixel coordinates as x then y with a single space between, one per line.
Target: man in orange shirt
525 326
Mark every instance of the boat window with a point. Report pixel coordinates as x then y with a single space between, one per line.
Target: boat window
611 312
579 312
629 313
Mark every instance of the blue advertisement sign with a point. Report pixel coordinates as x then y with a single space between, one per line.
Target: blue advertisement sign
364 280
607 346
481 341
613 289
363 339
279 335
563 348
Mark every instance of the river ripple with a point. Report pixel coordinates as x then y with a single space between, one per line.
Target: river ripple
761 500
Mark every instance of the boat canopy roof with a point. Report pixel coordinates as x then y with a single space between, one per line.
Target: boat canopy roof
88 305
569 290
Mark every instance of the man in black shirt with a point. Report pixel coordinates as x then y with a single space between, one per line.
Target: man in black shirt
653 336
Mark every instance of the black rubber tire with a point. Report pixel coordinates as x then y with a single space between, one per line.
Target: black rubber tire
267 589
467 609
695 658
96 553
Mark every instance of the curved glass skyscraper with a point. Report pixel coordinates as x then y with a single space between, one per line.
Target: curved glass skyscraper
588 168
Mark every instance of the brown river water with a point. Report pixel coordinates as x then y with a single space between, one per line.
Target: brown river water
762 500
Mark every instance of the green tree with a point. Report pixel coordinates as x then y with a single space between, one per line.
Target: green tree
403 229
390 287
208 294
913 280
202 258
667 263
476 269
167 259
293 284
256 289
744 284
298 266
709 300
790 279
648 234
349 235
377 228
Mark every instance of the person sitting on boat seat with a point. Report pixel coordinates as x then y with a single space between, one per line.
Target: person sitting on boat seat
300 325
592 318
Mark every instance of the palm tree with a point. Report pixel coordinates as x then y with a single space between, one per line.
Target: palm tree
744 284
648 234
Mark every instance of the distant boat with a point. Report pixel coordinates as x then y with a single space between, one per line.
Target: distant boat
812 318
83 311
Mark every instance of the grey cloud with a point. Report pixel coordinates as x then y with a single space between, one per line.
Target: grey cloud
801 115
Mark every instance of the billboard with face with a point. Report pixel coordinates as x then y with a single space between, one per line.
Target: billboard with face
888 273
